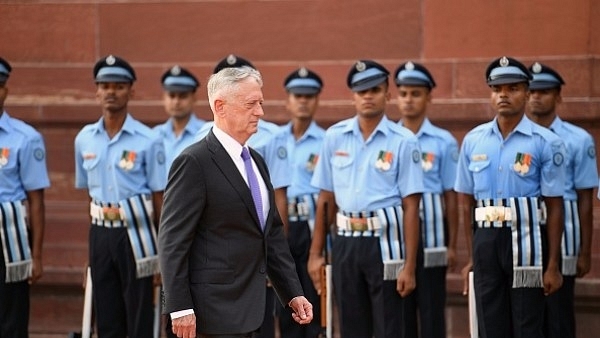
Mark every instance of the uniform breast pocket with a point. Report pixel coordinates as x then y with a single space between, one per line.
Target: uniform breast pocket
93 171
480 171
341 171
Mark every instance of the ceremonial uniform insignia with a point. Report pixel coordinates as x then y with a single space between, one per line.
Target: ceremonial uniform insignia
38 154
591 152
504 62
128 159
341 153
558 159
282 152
303 72
409 66
312 162
427 161
384 160
176 70
360 66
110 60
231 59
160 157
416 157
536 68
522 163
4 152
479 157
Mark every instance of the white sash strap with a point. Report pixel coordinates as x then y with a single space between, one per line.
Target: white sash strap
302 208
15 241
571 240
385 223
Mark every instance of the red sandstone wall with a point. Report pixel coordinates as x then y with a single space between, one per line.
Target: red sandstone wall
54 44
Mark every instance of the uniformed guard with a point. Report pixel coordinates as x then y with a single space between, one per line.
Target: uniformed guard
505 167
369 175
121 162
581 179
300 142
179 96
178 132
438 209
23 178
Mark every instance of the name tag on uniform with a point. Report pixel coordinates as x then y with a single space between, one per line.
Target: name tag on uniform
479 157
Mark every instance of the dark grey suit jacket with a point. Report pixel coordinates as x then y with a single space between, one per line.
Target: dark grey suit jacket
214 257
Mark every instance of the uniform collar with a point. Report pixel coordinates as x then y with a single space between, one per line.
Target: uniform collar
311 131
525 126
5 122
353 127
426 128
128 125
556 124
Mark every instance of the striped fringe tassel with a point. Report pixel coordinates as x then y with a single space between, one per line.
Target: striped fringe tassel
142 234
391 241
15 242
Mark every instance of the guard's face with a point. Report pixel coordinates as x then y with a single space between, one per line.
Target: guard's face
242 109
302 106
509 99
179 105
372 102
113 96
412 100
543 102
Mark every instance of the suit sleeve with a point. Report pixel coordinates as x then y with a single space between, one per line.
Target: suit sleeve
184 201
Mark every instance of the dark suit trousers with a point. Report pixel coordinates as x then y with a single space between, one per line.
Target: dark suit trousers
14 306
299 240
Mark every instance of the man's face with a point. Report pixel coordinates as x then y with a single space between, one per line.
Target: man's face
509 99
372 102
113 96
543 102
179 105
3 94
413 100
302 106
242 109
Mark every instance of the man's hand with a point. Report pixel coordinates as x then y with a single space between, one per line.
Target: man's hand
406 282
315 262
185 326
552 280
584 263
451 259
36 270
302 310
465 275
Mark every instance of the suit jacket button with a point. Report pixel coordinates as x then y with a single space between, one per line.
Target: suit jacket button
262 269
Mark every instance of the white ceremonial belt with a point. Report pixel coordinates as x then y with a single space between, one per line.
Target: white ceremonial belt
106 213
493 214
357 223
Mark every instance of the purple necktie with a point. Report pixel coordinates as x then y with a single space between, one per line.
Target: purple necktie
254 187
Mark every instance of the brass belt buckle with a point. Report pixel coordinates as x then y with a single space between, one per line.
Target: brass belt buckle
111 213
358 224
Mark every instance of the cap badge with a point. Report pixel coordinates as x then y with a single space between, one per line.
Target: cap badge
409 66
176 70
303 72
384 160
536 68
110 60
231 59
504 61
360 66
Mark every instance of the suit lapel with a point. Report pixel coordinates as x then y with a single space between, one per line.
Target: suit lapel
223 161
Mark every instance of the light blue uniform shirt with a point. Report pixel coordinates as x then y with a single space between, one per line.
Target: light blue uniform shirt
22 160
131 163
487 164
262 141
174 145
582 172
303 154
372 174
439 157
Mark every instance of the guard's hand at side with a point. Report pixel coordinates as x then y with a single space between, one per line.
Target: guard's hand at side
315 263
302 310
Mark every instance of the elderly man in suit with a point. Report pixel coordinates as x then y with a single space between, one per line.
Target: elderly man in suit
220 231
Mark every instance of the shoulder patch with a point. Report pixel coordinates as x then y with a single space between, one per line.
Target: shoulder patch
282 152
558 159
38 154
591 152
416 157
160 157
